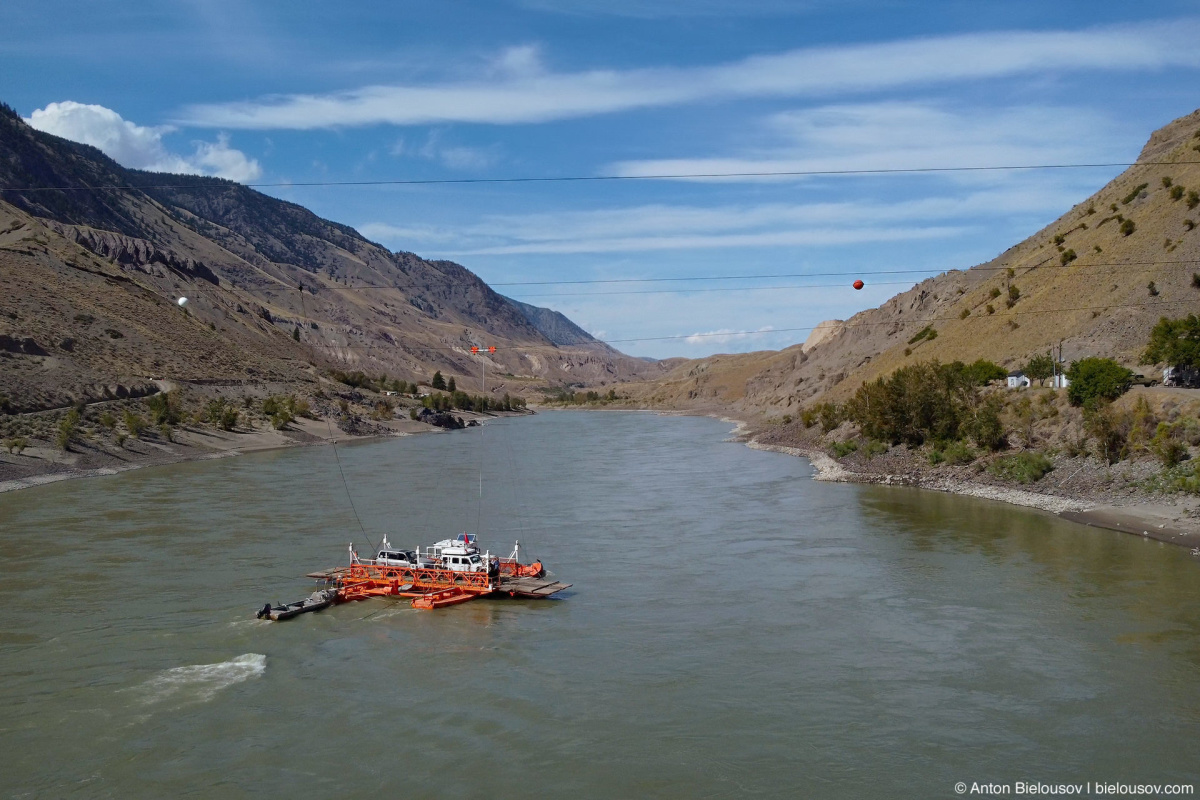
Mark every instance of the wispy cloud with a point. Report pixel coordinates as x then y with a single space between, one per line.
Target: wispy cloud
659 227
726 335
531 93
902 135
661 9
141 147
449 155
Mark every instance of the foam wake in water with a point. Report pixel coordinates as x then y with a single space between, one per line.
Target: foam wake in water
201 682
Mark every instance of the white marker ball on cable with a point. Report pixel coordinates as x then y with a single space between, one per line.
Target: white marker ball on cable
182 302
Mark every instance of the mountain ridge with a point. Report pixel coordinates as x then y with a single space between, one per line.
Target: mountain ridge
266 276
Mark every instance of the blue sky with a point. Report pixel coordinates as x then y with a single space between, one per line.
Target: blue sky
304 91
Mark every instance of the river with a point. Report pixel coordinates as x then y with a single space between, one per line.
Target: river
734 629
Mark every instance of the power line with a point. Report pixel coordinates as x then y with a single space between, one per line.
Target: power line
897 322
721 289
782 275
814 173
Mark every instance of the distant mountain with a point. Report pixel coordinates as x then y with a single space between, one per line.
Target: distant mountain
271 288
554 326
1094 281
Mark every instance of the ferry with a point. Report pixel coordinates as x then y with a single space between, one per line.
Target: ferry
446 573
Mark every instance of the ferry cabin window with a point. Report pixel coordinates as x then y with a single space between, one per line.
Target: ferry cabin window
476 560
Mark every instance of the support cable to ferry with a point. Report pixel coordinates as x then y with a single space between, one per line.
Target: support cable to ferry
333 441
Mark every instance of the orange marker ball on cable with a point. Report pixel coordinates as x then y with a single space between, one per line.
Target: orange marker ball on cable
858 284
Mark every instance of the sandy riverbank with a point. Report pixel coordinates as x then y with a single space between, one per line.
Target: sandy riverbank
38 466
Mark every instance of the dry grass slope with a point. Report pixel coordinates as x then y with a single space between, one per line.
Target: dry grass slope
1082 281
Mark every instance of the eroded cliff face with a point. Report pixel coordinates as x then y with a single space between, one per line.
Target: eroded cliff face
273 289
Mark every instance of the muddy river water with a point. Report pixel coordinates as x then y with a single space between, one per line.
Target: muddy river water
734 630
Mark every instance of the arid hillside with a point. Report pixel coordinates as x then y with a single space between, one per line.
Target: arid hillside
93 258
1094 281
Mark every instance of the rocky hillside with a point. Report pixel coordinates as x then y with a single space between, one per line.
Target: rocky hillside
1084 281
90 275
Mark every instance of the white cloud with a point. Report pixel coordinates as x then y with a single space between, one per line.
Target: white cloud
138 146
218 158
523 92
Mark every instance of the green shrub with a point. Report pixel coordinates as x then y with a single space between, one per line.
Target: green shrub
1167 446
438 381
1184 477
222 413
831 415
166 432
922 401
1108 428
984 425
1014 294
68 429
959 452
843 449
1039 368
108 421
16 445
412 413
1127 227
1175 341
1025 467
966 312
928 332
120 439
1129 198
808 417
1166 182
982 372
936 457
1097 379
1177 192
282 410
1067 257
165 408
1193 199
990 309
875 447
134 423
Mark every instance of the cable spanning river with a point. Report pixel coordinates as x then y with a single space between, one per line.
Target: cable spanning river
734 630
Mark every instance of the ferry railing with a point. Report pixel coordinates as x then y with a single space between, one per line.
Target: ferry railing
420 578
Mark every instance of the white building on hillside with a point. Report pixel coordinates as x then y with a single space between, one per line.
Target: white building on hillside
1018 380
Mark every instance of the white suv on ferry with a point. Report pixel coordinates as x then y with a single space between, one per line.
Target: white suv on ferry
403 558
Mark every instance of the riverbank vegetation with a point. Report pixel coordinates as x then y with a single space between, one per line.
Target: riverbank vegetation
931 417
569 397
